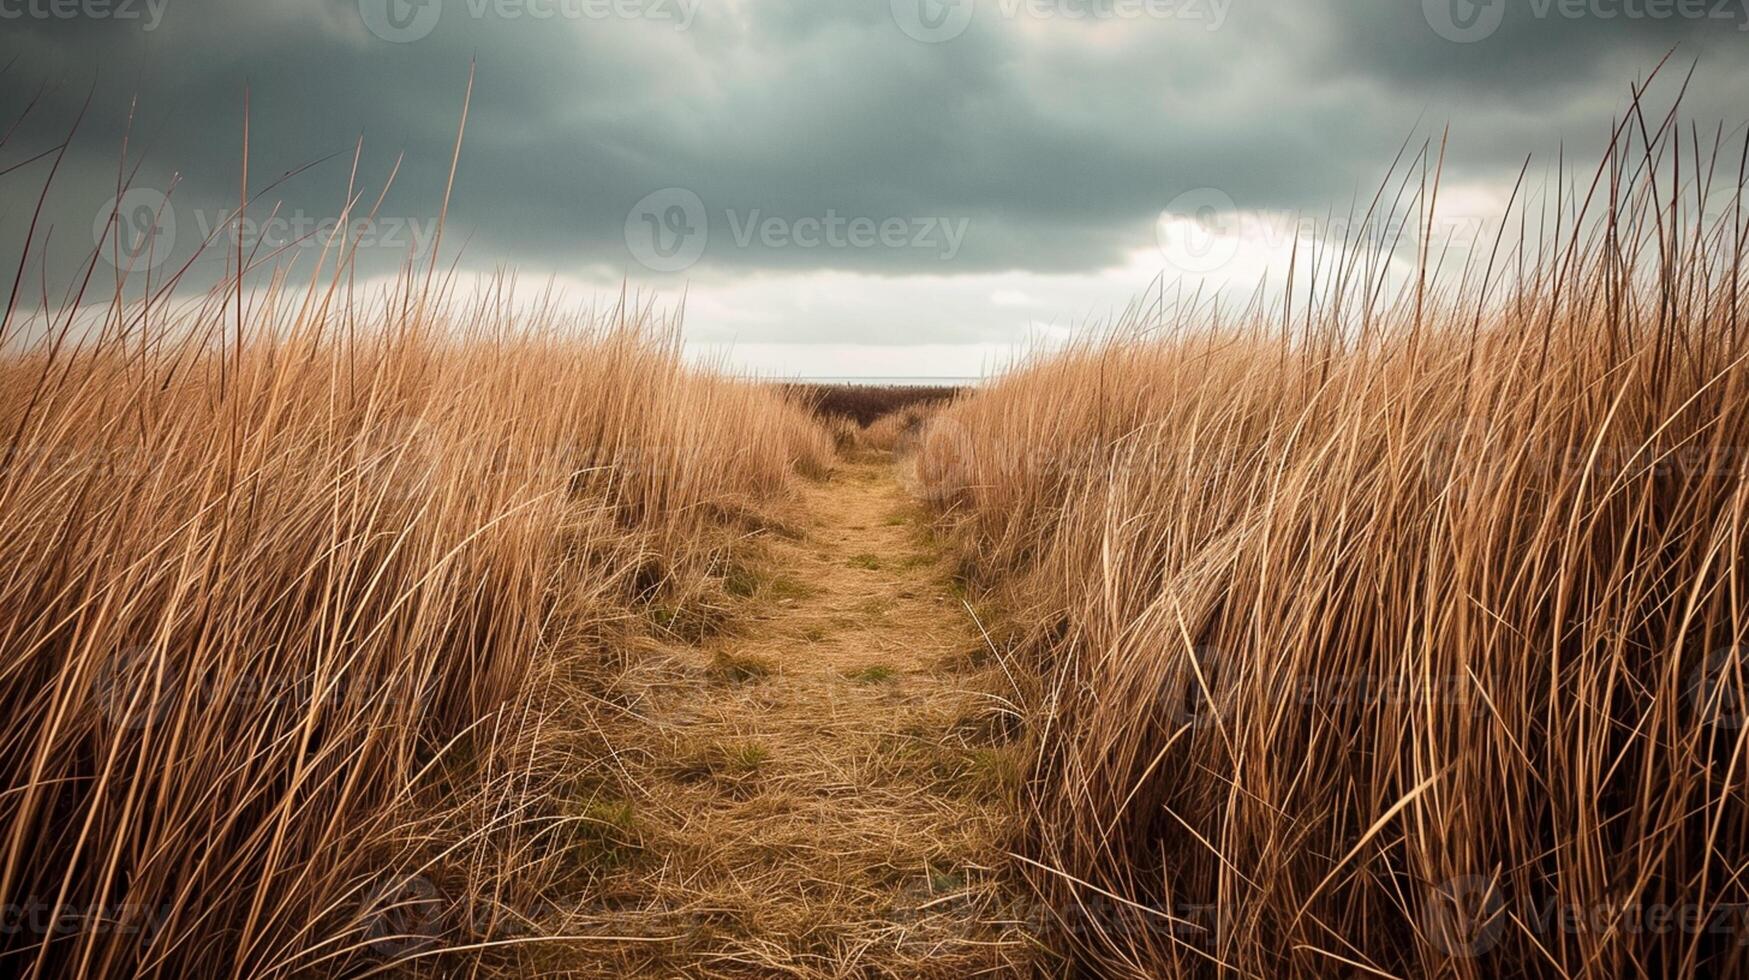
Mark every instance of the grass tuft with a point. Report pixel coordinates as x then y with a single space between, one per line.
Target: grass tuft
873 674
740 668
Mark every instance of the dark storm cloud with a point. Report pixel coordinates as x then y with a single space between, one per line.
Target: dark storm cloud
1052 138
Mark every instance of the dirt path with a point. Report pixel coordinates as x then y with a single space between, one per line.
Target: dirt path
822 792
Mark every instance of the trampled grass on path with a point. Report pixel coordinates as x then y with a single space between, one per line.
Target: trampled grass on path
821 791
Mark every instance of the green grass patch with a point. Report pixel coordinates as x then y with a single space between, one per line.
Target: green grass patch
865 560
746 581
741 582
606 835
691 622
993 771
729 761
739 668
945 882
747 759
873 674
785 587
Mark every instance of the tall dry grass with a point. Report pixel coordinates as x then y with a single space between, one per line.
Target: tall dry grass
294 598
1398 631
898 430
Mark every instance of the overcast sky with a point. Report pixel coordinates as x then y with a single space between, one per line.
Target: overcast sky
841 187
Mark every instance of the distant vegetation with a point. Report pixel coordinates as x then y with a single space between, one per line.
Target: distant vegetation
863 404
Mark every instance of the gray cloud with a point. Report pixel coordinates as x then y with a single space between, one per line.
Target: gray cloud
1055 140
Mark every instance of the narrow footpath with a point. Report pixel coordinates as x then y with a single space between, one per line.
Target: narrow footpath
824 790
